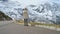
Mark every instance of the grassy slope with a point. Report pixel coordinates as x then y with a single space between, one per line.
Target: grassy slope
35 23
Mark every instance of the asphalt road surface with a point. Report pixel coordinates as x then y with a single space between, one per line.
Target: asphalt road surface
13 28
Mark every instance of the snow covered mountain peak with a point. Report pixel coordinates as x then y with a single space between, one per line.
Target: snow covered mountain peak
48 12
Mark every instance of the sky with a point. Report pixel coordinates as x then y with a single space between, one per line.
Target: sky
35 2
27 2
57 1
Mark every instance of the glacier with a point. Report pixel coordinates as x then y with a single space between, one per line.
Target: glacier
48 12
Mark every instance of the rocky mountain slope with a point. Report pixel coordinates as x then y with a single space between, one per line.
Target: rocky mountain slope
4 17
47 12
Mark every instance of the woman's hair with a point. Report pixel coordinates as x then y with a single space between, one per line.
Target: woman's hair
25 9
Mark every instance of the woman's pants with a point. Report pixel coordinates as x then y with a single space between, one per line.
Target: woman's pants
25 22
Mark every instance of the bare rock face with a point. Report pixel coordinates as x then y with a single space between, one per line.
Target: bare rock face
4 17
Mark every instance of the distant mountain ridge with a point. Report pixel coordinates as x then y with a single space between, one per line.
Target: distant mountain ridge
47 12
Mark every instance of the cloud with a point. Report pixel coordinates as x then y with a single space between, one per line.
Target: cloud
27 2
56 1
